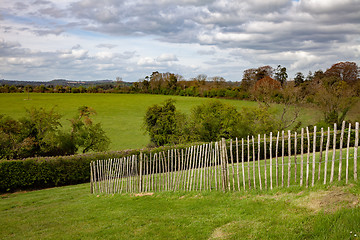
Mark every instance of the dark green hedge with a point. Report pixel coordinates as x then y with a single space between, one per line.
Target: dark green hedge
45 172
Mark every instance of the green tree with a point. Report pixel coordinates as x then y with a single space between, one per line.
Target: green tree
86 135
213 120
335 98
299 79
162 123
281 75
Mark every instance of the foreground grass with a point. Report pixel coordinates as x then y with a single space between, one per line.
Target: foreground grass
121 115
291 213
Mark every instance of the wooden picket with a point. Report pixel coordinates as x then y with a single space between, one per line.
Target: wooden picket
238 165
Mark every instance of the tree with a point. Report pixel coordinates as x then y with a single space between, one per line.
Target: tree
281 75
345 71
162 123
34 135
335 98
39 134
86 135
299 79
252 75
265 89
213 120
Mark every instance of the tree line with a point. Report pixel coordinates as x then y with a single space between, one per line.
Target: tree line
204 86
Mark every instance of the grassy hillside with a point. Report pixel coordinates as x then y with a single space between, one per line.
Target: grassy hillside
120 114
73 213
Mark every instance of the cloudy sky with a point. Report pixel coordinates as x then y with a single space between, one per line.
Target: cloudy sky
105 39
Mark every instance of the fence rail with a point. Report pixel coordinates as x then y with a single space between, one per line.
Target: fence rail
261 162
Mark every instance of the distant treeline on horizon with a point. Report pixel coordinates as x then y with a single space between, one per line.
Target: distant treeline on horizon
255 81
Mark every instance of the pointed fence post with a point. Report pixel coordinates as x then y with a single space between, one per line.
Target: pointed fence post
302 158
321 152
289 157
140 172
277 160
307 157
259 168
341 146
271 163
254 160
295 155
356 149
248 161
347 154
237 164
313 159
265 176
232 165
326 154
282 157
223 165
333 156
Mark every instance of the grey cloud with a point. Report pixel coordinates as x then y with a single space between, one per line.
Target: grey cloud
106 45
43 32
206 52
21 6
52 11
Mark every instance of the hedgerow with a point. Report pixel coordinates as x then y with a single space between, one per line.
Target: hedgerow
46 172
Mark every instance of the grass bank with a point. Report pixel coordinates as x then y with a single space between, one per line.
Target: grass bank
71 212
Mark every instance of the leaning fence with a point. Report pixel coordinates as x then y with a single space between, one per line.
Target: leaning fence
266 161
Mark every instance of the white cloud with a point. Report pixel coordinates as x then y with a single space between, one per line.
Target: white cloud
166 57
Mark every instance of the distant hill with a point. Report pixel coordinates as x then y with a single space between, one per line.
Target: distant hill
61 82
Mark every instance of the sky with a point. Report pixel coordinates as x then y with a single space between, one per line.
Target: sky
103 39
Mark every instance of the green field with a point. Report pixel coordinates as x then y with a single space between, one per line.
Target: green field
121 115
71 212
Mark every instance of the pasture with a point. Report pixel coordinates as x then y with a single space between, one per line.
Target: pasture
121 115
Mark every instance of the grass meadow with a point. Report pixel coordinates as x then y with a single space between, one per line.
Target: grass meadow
121 115
71 212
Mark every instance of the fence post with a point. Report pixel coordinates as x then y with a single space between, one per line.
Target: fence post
356 149
254 160
282 157
237 165
259 168
302 158
91 178
223 165
289 157
277 160
232 164
333 156
248 161
265 167
270 148
313 163
321 150
341 146
347 154
140 172
295 155
307 157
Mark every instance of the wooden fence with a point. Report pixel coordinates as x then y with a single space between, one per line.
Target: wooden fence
261 162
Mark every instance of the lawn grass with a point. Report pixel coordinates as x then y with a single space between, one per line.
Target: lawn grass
121 115
291 213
